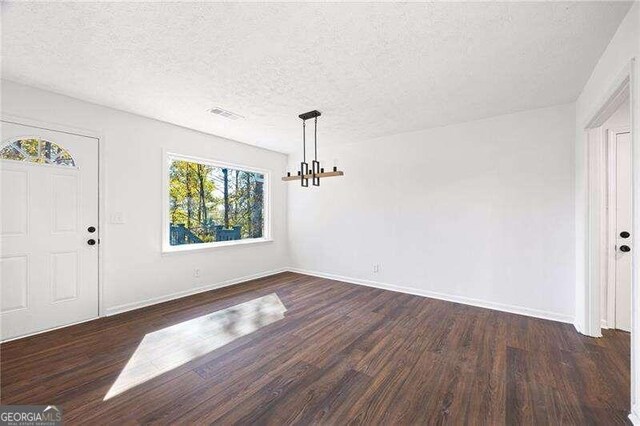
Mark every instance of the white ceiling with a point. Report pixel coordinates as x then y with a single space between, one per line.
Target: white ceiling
372 69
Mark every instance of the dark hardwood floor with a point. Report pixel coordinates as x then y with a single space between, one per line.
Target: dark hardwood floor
342 354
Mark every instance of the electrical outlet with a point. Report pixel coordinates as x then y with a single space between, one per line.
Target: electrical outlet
196 273
376 268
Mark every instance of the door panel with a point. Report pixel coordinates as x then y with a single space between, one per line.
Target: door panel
14 282
623 224
48 200
64 275
65 203
15 214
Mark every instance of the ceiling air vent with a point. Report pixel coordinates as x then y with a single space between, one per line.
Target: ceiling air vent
224 113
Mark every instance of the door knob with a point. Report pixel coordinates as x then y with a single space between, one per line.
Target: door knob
91 229
92 242
625 249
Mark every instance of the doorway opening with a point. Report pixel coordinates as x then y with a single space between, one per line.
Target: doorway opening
610 228
613 188
615 307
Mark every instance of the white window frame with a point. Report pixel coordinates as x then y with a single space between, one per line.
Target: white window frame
167 158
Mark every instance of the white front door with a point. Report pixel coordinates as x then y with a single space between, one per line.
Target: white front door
49 229
623 217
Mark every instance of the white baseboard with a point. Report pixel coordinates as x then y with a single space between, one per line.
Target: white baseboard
580 328
634 416
418 292
177 295
520 310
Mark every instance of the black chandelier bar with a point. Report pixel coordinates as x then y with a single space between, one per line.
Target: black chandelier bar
316 172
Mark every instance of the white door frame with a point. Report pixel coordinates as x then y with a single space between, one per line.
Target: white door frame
597 223
15 119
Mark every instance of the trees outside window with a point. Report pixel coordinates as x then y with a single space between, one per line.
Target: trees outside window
210 203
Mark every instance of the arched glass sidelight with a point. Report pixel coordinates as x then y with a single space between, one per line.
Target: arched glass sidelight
34 150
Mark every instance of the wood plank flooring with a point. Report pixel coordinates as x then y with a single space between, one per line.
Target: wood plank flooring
342 354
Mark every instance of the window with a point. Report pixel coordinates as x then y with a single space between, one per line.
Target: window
212 204
33 150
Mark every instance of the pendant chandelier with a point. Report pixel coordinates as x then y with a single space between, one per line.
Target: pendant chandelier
316 172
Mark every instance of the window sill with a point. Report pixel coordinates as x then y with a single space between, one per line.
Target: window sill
190 248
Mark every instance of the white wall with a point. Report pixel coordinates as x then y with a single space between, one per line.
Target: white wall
624 46
481 212
135 270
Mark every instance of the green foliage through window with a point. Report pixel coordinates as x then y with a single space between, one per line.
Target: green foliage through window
210 203
37 151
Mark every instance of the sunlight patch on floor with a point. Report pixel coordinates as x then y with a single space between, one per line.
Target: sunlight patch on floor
171 347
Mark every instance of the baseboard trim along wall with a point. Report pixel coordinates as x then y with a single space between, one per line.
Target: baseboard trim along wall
513 309
634 417
114 310
520 310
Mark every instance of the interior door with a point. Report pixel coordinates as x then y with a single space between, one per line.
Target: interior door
623 231
48 234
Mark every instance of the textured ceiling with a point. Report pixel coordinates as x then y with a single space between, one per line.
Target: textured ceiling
372 69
